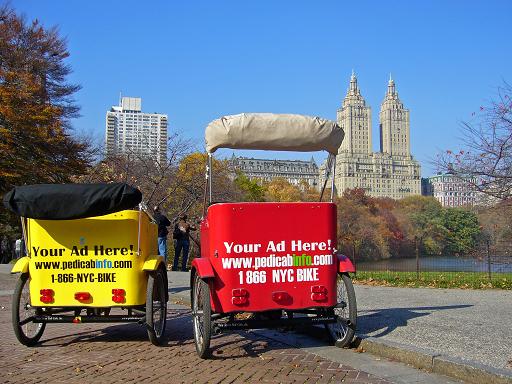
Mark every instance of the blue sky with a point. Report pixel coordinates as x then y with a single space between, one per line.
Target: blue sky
198 60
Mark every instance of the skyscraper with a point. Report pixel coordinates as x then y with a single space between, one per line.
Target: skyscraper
394 125
355 117
392 172
130 131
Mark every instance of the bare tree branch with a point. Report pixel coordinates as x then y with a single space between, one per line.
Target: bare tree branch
485 161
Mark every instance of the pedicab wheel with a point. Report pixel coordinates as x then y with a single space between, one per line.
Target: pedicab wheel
202 317
156 306
343 330
27 331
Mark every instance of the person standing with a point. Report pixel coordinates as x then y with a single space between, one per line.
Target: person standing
18 248
162 222
181 234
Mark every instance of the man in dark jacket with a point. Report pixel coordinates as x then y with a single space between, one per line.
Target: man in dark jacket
181 235
162 223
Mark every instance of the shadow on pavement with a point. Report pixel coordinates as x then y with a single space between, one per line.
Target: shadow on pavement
388 319
247 344
125 332
178 333
178 289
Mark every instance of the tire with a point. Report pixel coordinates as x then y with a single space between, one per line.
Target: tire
343 330
29 333
156 306
202 317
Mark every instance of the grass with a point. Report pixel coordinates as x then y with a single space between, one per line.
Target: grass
467 280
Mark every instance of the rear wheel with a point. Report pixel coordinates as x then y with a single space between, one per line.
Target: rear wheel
26 330
343 330
202 316
156 306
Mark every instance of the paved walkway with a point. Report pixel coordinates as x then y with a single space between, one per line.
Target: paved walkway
474 325
121 353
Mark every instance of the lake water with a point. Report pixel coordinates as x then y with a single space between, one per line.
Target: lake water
439 264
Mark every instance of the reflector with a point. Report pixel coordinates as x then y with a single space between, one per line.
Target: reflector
82 296
239 300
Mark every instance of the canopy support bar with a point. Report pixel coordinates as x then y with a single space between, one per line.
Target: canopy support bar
333 177
207 185
25 235
330 168
210 176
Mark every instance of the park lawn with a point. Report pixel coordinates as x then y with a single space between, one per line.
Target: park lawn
468 280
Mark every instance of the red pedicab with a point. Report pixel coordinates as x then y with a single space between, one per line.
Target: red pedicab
276 260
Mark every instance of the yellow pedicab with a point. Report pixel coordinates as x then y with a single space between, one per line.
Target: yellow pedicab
90 248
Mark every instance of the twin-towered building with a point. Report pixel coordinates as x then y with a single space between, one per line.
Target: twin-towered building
391 172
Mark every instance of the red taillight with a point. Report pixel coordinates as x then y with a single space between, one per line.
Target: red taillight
46 295
240 296
239 292
318 293
318 289
318 296
281 297
239 300
118 295
46 299
82 296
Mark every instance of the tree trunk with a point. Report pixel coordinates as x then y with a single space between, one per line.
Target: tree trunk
489 260
416 244
354 256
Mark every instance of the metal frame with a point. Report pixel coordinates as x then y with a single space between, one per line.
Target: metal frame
207 185
331 170
210 178
231 325
25 235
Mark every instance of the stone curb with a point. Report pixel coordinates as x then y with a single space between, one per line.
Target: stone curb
468 371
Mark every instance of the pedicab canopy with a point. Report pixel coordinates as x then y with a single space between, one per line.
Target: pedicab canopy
275 132
71 201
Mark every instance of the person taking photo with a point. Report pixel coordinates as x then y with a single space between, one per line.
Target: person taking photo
182 244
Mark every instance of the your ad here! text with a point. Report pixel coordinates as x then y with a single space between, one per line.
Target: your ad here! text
291 264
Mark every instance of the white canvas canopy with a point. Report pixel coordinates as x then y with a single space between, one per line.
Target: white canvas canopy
275 132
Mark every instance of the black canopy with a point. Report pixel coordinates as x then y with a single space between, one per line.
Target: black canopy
71 201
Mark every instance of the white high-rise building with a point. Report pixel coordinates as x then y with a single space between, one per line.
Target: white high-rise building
130 131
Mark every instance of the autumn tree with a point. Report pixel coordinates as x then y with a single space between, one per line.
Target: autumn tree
422 222
361 232
485 160
36 105
156 179
252 190
385 208
308 192
279 189
496 228
192 181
